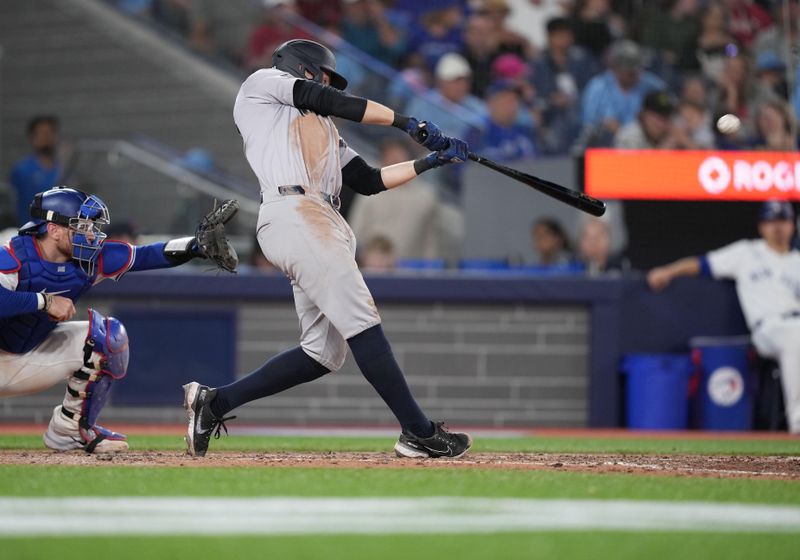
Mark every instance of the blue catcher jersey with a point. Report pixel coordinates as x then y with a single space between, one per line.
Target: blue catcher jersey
21 333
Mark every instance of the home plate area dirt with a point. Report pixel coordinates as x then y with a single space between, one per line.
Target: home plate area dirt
689 465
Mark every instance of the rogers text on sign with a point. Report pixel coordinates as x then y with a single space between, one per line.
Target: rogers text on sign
716 175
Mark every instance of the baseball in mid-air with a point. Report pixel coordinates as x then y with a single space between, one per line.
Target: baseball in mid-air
729 124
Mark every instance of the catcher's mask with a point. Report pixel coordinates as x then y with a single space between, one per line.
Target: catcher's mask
83 214
299 56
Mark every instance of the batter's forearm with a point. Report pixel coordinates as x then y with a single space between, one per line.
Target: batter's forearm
398 174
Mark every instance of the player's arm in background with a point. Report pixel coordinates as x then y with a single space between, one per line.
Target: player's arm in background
722 263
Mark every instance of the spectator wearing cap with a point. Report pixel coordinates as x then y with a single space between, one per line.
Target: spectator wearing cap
654 130
450 105
767 276
560 73
613 99
40 170
501 137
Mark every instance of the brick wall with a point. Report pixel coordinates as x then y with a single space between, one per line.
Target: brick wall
498 365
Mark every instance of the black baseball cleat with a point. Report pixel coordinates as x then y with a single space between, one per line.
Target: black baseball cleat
202 422
442 443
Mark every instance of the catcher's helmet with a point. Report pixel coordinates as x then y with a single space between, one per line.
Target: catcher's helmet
84 214
299 55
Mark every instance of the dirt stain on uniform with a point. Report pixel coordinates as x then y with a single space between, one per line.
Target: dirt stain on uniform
371 304
313 136
319 221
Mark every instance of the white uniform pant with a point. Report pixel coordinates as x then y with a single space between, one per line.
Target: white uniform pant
309 241
54 360
779 339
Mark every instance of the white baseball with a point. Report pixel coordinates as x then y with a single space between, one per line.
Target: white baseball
729 124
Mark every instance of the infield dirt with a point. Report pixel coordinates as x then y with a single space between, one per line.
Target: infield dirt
687 465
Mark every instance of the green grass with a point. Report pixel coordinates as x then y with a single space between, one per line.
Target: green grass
513 546
20 480
500 445
120 479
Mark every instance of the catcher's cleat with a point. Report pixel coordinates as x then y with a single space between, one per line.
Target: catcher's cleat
202 422
442 443
64 433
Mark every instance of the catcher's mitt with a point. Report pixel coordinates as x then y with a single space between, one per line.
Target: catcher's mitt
210 236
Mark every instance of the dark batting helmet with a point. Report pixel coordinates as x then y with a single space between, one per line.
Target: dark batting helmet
299 56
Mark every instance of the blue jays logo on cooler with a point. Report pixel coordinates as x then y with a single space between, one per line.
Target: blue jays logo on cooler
725 386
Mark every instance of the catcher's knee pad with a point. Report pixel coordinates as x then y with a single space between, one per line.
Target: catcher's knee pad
105 360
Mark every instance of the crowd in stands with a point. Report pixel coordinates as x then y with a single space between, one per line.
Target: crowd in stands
524 78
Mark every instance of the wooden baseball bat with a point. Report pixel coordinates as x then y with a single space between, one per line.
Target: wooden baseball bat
575 199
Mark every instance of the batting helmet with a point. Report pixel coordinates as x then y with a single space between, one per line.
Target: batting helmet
299 56
84 214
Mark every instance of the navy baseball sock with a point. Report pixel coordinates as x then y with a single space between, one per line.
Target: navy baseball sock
376 361
279 373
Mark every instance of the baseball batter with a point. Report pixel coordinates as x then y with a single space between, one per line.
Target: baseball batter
56 258
283 114
767 275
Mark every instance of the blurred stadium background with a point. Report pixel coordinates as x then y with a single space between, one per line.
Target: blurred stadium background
494 322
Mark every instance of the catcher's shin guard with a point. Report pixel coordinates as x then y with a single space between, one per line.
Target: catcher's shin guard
106 356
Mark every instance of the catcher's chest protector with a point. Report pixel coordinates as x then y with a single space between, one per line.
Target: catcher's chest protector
22 333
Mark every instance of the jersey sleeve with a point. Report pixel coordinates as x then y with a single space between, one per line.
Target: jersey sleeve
116 258
269 86
346 153
725 262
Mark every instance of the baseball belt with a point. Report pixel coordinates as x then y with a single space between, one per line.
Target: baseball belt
286 190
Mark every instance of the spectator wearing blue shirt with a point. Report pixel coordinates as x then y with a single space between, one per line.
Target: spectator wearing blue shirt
40 170
613 99
560 73
502 138
450 105
438 32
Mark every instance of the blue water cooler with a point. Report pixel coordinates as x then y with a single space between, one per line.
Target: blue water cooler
657 390
724 398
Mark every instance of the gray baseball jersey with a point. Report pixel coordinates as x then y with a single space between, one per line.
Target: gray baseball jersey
303 235
284 145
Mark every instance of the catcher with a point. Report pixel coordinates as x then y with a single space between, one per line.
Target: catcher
56 258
